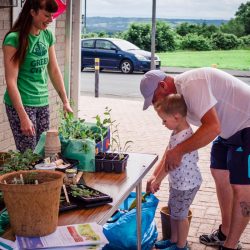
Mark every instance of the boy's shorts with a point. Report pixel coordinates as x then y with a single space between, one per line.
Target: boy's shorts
233 154
179 202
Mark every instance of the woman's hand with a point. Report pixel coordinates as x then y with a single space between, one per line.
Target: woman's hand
67 108
27 127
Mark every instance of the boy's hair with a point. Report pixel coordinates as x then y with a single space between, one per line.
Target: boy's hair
172 104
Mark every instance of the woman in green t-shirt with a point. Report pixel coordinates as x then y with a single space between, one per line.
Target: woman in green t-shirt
29 58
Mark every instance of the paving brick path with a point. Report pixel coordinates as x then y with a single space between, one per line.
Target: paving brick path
150 136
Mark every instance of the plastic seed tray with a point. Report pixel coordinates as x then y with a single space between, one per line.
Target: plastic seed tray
86 196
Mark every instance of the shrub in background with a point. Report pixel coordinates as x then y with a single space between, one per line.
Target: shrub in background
224 41
195 42
245 40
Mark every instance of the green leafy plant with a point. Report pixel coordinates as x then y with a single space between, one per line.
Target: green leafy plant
103 125
116 143
77 191
19 161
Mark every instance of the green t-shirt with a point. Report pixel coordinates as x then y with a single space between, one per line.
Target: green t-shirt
32 80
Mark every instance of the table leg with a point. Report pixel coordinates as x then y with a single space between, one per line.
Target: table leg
138 214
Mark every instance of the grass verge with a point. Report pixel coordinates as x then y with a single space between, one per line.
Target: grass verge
223 59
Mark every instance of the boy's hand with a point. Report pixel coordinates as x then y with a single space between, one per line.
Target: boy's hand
149 181
155 186
152 185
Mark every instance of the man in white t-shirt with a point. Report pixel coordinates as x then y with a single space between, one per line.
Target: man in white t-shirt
220 105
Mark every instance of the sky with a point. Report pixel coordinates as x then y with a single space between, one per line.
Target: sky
187 9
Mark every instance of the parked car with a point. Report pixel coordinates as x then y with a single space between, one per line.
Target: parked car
115 54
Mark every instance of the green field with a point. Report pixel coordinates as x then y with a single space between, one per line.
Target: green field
225 59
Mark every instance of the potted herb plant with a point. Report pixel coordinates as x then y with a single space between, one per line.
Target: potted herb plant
120 161
116 159
77 132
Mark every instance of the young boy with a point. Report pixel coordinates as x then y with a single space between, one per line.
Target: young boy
184 181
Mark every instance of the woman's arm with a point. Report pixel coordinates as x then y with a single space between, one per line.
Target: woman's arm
11 73
57 80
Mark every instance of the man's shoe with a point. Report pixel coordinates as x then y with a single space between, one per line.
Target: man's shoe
216 238
161 244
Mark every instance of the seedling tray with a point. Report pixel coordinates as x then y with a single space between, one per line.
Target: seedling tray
64 206
87 197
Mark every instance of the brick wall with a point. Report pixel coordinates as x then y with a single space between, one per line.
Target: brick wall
6 138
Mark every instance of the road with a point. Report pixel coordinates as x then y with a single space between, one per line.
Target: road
113 84
116 84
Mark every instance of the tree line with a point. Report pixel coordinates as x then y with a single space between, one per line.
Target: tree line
185 36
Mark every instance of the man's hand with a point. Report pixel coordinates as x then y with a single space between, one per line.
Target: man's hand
172 158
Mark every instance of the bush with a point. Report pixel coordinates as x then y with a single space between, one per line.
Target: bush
245 41
165 37
139 34
195 42
224 41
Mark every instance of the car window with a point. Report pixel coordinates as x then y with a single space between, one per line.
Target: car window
101 44
88 43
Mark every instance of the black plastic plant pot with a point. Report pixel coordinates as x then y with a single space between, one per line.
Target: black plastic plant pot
99 162
120 165
108 162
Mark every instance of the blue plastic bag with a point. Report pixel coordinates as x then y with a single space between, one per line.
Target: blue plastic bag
122 233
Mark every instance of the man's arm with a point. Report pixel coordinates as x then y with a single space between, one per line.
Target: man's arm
209 129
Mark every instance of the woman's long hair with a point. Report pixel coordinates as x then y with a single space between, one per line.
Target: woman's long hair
24 22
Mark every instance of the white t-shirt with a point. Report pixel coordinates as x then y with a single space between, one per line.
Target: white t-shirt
187 175
205 88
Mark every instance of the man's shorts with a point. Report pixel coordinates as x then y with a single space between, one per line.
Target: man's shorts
179 202
233 154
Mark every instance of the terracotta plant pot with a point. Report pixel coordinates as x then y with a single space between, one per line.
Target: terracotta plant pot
52 143
33 208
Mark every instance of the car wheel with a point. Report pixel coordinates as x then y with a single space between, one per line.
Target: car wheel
126 67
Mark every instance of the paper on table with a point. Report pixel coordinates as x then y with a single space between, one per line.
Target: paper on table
89 234
7 244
